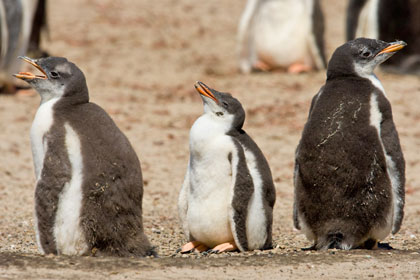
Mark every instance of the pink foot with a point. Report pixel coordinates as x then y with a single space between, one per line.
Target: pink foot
25 92
298 67
225 247
262 66
193 246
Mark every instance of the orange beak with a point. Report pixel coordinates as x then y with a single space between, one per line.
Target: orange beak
204 90
28 75
396 46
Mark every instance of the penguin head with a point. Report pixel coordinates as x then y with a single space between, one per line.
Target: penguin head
59 78
221 106
360 57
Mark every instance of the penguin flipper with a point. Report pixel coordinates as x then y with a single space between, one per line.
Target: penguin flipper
296 176
353 11
46 203
183 204
245 46
295 208
242 190
316 37
396 168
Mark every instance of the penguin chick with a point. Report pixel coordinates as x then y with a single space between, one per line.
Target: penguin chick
281 34
89 189
349 170
227 198
387 20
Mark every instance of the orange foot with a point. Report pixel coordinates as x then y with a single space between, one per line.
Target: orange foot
25 92
298 67
193 246
261 66
224 247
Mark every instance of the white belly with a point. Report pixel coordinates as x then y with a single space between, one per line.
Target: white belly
208 218
210 183
281 32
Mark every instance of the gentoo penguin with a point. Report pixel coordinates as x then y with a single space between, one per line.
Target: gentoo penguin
16 18
227 198
89 189
349 170
387 20
285 34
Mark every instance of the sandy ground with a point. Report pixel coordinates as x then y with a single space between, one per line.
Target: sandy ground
141 59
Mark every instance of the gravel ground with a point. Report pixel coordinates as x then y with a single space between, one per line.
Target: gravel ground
141 59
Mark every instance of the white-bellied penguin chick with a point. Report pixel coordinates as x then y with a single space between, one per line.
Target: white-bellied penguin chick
89 188
226 201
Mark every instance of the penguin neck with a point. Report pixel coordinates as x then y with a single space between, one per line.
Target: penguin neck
69 98
205 129
213 124
368 74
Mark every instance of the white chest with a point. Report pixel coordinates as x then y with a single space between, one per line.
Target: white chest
210 169
40 126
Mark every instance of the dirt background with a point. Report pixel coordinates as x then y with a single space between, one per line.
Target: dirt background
141 59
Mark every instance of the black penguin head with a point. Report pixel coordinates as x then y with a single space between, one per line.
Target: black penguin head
360 57
59 78
221 106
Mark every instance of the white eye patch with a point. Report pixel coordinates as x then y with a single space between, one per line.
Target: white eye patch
63 68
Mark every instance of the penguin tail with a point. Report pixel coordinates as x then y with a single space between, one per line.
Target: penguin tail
332 241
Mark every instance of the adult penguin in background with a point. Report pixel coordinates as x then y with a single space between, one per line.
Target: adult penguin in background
281 34
388 20
89 188
21 23
349 170
227 198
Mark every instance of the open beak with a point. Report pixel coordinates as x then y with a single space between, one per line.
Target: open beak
204 90
395 46
28 75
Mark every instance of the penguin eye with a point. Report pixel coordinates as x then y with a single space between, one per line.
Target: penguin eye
366 54
225 104
219 114
54 75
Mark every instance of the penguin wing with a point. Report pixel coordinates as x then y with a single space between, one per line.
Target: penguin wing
56 173
242 190
183 204
296 176
295 208
395 166
245 43
316 37
353 12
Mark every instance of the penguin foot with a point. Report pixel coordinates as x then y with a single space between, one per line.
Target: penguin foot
224 247
312 248
384 246
261 66
193 246
298 67
25 92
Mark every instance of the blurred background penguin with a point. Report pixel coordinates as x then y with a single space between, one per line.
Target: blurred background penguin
21 25
281 34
